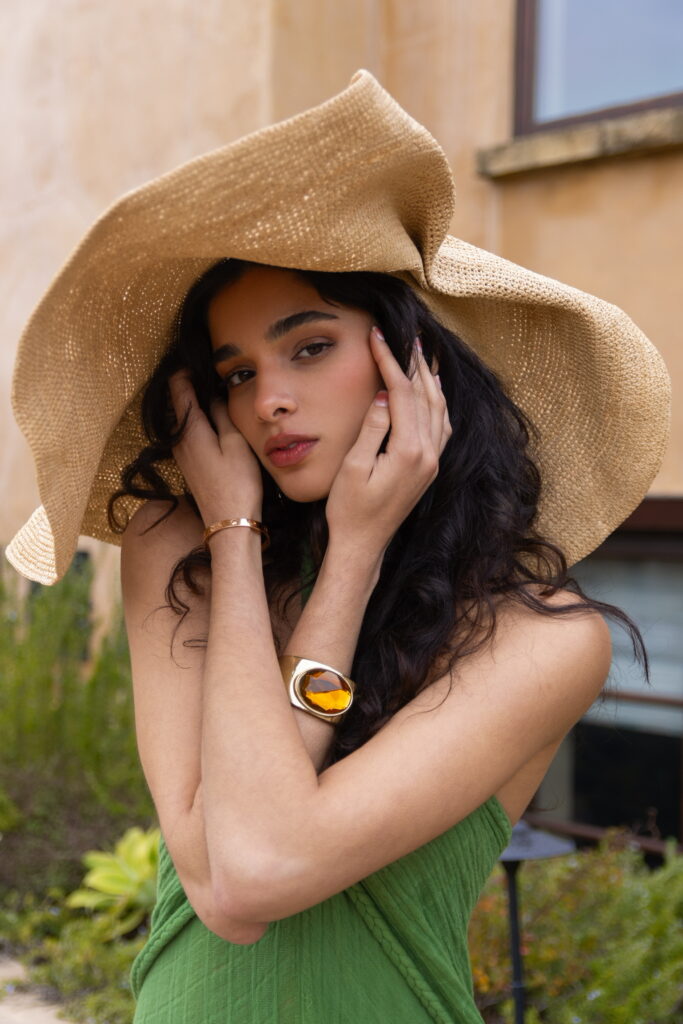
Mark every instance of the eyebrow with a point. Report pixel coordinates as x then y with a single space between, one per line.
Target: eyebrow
276 330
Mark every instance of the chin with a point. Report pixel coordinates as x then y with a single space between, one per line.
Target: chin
297 487
304 494
305 483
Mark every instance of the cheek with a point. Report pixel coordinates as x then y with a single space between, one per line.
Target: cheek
359 380
355 385
238 413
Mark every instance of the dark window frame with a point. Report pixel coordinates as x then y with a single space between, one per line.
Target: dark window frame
654 530
525 52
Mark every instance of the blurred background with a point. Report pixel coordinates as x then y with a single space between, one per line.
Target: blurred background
563 123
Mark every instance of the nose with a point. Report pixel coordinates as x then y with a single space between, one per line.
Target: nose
274 397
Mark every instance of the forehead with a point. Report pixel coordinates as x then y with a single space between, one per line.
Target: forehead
246 308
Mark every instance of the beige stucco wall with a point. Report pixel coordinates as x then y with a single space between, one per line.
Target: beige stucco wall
98 98
614 228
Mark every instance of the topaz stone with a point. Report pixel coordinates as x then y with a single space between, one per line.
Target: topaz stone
323 691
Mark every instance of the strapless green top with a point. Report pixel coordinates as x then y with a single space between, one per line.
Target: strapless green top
393 947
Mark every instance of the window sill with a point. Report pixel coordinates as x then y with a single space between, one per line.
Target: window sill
646 132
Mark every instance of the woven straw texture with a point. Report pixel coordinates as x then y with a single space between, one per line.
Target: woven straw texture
353 184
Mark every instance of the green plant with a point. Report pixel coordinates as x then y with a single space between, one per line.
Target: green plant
89 975
10 815
71 955
68 757
602 939
121 887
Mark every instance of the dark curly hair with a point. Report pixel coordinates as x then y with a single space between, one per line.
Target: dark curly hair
471 536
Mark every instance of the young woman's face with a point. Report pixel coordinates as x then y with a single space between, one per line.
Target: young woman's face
293 365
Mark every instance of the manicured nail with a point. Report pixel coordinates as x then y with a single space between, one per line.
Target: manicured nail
382 398
438 380
419 344
378 332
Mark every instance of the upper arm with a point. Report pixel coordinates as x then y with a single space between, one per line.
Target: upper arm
168 703
166 674
462 739
448 751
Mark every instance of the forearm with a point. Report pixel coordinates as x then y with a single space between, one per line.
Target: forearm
259 782
330 623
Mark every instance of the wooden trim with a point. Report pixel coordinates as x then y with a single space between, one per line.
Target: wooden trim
656 515
654 531
673 99
525 84
641 547
634 697
594 833
525 66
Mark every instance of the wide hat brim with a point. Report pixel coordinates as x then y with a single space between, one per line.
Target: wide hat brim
352 184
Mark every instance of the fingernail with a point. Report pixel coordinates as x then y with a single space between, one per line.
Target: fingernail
382 398
378 333
419 344
438 380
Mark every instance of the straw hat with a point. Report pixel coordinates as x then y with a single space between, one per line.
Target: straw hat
352 184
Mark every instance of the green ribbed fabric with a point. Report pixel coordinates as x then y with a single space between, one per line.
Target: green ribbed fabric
390 948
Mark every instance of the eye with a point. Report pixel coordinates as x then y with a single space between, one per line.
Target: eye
319 346
233 380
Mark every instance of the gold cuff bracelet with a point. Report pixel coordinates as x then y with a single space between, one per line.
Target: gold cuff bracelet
316 688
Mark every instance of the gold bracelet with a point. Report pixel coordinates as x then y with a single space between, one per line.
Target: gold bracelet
226 524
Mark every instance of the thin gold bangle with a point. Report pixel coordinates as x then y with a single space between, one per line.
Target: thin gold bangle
226 524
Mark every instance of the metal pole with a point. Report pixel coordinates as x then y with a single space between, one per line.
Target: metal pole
518 993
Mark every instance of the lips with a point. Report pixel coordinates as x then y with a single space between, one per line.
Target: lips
292 452
284 441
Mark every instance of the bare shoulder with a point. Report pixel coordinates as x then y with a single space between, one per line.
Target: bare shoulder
153 543
156 537
579 624
154 526
553 659
574 644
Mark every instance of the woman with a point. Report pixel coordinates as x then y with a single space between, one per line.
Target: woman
323 848
254 834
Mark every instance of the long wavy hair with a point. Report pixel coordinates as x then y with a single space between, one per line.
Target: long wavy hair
469 539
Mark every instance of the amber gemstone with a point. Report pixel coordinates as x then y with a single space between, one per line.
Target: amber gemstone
324 691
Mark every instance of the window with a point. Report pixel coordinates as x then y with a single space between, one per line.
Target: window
623 763
583 59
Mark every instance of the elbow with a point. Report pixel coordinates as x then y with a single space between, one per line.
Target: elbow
240 933
225 924
260 889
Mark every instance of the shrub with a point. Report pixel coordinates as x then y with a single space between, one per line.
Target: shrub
69 769
81 957
601 937
120 887
89 975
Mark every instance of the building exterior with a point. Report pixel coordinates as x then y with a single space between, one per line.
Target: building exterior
563 124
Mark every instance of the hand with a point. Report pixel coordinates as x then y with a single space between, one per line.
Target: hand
373 493
220 469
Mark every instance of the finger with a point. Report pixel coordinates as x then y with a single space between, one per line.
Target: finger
376 422
221 417
182 394
405 427
425 395
189 415
434 404
446 430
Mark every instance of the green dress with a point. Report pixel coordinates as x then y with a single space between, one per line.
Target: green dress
392 948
